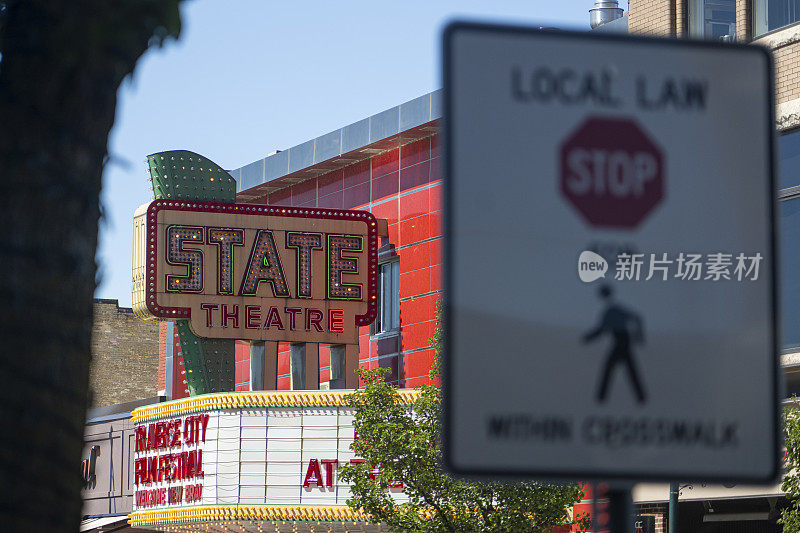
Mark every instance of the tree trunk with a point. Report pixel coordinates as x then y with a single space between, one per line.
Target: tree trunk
62 63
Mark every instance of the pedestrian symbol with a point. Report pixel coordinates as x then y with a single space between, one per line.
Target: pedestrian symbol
625 326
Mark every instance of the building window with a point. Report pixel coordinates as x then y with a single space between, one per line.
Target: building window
257 353
713 19
790 272
789 154
388 318
338 355
297 354
789 211
771 15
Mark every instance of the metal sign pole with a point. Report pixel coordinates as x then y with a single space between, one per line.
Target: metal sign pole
672 515
620 508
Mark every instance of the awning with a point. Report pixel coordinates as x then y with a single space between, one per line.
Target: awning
97 523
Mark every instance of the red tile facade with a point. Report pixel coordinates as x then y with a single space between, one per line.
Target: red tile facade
179 387
242 366
402 186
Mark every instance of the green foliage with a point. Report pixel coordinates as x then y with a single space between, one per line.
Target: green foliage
436 344
405 441
790 517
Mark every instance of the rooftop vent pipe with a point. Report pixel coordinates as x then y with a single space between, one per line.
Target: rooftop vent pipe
604 11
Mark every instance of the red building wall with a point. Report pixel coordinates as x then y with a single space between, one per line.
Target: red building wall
404 187
179 387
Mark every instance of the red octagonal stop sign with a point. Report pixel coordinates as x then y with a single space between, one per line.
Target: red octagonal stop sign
611 172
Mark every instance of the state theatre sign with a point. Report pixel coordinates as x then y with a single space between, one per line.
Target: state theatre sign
257 272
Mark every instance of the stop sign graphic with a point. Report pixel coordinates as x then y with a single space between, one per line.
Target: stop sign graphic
611 172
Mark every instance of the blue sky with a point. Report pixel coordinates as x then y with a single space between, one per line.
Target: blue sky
248 77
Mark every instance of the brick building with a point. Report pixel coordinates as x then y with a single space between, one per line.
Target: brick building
122 346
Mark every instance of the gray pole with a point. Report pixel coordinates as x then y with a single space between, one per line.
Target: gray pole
672 514
620 509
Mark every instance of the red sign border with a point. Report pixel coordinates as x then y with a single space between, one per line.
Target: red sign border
183 313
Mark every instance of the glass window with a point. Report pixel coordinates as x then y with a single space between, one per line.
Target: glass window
774 14
297 361
789 160
713 19
257 350
338 353
388 318
790 273
791 375
789 209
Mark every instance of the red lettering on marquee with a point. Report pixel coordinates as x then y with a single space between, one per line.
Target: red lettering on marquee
169 467
190 464
170 495
313 475
329 464
230 317
141 438
209 308
313 318
151 437
192 428
166 435
233 315
152 469
204 420
180 464
151 497
140 467
252 317
273 319
175 441
194 493
292 312
188 430
175 495
336 320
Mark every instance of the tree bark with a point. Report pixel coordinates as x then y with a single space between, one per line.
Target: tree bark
62 63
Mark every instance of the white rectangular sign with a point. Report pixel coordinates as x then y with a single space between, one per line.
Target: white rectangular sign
610 275
252 456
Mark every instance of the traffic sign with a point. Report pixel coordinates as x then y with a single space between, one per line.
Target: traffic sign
610 266
612 172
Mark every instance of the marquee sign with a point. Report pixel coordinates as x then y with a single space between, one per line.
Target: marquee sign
266 449
169 461
257 272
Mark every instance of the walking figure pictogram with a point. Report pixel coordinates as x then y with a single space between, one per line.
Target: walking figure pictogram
625 326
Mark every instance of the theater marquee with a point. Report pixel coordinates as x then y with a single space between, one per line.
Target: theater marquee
257 272
258 457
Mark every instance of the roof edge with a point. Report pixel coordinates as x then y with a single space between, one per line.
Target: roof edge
344 146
